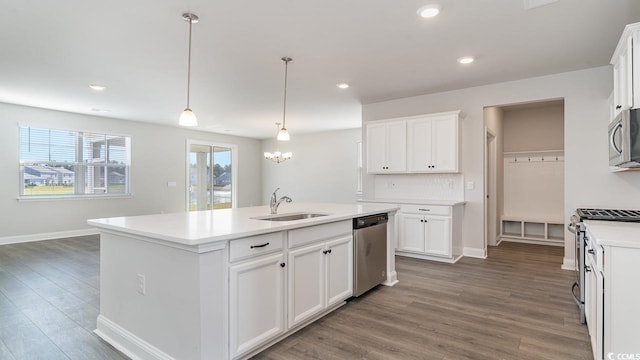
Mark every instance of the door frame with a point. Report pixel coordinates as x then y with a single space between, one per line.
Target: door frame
234 168
490 188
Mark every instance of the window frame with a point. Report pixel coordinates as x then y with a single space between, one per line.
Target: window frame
234 169
74 196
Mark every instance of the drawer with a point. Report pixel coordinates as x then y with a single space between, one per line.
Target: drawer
255 245
426 209
312 234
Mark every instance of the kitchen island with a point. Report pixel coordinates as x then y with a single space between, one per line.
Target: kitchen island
225 284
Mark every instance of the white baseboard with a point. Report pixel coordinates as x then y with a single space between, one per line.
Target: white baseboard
426 257
474 252
46 236
568 264
126 342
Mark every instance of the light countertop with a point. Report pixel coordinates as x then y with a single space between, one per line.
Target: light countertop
615 233
201 227
415 201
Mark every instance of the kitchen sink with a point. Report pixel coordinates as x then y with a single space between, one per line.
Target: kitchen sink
289 217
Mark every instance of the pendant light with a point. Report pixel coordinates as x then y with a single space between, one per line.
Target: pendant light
283 134
188 118
278 157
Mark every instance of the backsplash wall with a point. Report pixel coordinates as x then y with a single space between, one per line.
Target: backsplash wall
420 186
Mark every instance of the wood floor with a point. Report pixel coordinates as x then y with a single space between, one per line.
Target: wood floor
514 305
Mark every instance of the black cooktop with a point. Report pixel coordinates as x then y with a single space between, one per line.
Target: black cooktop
609 214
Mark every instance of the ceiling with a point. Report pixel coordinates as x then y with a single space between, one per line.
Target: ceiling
52 51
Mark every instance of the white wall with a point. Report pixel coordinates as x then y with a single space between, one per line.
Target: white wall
588 181
157 157
493 118
533 129
323 167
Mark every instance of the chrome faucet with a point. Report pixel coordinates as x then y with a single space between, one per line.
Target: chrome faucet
273 204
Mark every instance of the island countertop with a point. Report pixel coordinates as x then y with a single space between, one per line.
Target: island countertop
202 227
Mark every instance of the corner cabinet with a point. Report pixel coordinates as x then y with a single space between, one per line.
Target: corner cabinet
417 144
386 147
626 61
430 232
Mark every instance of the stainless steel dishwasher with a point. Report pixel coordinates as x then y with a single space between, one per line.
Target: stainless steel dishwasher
369 252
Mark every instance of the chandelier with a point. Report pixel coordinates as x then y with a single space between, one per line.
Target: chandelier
277 156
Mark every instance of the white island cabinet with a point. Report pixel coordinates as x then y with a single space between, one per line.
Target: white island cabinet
612 289
223 284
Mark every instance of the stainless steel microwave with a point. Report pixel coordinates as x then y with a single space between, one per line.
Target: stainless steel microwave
624 139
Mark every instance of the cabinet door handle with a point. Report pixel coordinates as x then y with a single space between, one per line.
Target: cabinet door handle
618 107
590 251
283 265
326 252
259 246
587 268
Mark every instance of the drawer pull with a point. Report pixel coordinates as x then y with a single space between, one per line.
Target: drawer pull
590 251
587 268
259 246
424 209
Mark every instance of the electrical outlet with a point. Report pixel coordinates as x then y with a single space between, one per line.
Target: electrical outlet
471 185
142 286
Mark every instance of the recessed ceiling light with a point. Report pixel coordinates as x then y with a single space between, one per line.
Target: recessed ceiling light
97 87
466 60
342 85
429 11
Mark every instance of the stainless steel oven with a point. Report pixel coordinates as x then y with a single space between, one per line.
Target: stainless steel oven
577 289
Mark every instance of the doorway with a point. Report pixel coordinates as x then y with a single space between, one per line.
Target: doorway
524 173
211 176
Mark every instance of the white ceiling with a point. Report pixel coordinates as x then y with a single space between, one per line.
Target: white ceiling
52 51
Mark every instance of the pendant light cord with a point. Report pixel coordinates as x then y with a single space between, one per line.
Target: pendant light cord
189 64
284 105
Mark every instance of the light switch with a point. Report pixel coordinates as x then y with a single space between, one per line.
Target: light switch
471 185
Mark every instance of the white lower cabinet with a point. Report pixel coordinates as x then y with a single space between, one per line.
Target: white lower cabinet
425 234
430 232
612 290
320 275
256 302
594 305
281 280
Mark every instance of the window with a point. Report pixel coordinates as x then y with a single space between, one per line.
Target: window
211 176
63 163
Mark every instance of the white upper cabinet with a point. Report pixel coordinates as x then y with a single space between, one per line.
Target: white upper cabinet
386 147
416 144
626 59
433 143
